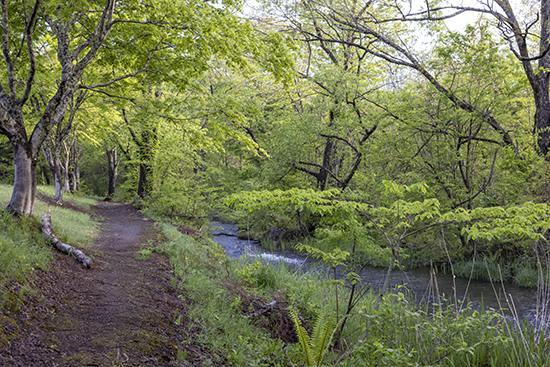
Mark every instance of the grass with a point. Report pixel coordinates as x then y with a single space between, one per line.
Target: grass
76 198
22 245
231 336
485 269
22 248
397 332
526 276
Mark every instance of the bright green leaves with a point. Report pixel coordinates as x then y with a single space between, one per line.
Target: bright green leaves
528 221
315 201
334 258
400 190
347 215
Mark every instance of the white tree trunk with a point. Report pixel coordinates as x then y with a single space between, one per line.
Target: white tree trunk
24 186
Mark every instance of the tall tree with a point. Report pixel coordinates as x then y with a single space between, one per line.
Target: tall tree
341 81
55 144
527 31
131 39
385 31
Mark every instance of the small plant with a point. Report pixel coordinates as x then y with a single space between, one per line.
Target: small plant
145 253
315 348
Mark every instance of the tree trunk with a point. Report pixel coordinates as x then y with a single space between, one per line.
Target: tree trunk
66 179
74 160
147 152
327 161
58 182
112 160
77 175
542 120
24 186
143 184
55 167
66 164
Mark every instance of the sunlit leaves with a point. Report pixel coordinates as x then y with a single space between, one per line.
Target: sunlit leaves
345 213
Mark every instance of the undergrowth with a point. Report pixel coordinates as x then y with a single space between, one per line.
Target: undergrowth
392 331
223 329
482 269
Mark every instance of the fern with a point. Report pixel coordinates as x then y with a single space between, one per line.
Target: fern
316 347
302 336
323 331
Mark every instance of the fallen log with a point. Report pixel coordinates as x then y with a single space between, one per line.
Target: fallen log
47 228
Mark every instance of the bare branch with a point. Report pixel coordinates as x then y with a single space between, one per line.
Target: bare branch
134 136
30 50
320 167
98 37
107 94
6 49
482 187
341 139
125 76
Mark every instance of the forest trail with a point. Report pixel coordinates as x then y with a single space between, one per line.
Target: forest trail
120 313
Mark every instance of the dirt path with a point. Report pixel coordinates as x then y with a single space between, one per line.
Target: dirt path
121 313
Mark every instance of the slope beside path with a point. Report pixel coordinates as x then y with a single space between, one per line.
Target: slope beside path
121 313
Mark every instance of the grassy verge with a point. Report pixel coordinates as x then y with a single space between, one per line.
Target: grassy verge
223 329
22 245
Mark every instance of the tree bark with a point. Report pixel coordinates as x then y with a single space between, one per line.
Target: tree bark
24 186
144 184
52 157
112 161
327 161
47 228
67 186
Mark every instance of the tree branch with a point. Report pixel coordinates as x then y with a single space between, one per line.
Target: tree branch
30 50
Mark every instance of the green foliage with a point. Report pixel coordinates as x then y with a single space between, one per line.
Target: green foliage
258 275
333 259
485 269
22 245
526 276
444 337
22 249
315 348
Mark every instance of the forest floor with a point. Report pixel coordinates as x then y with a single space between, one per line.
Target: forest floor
122 312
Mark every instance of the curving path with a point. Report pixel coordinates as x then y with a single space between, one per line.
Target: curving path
121 313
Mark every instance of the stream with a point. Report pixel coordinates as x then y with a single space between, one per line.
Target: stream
419 280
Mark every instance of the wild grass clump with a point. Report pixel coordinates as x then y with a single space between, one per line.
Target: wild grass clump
526 276
83 201
75 228
22 245
22 248
485 269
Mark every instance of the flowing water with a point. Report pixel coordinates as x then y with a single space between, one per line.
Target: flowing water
420 281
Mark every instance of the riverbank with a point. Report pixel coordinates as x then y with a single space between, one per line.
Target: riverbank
420 281
377 332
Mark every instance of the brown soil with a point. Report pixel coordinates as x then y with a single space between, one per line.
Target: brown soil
123 312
